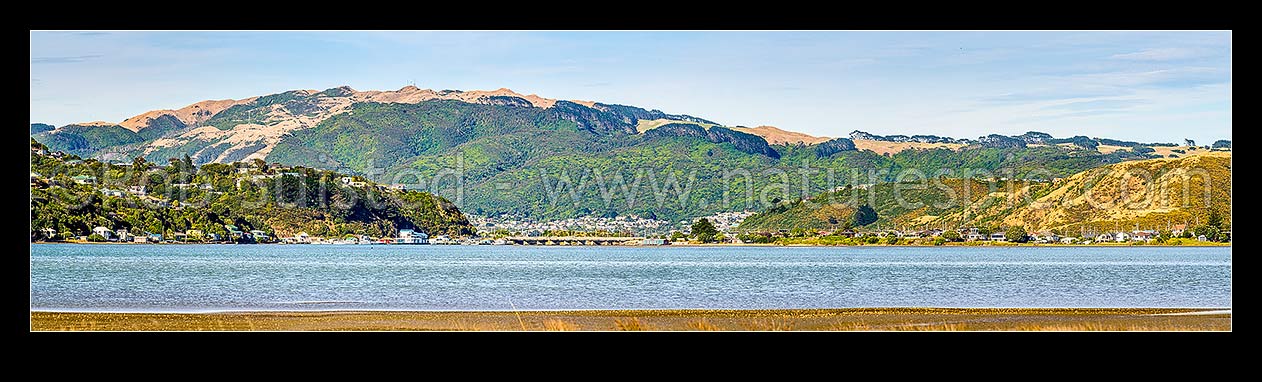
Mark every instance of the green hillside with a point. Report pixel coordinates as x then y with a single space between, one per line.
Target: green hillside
85 140
500 154
180 196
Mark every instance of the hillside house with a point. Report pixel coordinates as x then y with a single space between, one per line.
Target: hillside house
104 232
233 231
260 236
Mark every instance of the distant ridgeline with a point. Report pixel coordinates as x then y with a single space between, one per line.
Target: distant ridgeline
1002 141
70 197
500 152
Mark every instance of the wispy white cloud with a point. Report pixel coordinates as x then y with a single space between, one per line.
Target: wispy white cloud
1172 77
1101 104
1157 54
64 59
1055 94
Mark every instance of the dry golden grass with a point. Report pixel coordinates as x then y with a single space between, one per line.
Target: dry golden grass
858 319
1105 149
883 147
556 325
702 325
766 325
776 136
632 324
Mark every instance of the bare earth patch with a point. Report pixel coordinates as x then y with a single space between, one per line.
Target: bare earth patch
776 136
882 147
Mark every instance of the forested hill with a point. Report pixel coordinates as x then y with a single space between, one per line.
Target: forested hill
71 196
501 152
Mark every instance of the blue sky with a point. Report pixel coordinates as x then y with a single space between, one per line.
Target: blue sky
1145 86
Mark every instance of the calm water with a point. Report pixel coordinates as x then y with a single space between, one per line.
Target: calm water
263 277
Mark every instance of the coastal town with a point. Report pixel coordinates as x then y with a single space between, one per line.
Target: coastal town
618 231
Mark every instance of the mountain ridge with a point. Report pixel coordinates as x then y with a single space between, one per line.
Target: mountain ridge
513 150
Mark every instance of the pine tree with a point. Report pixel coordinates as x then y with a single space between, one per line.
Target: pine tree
704 231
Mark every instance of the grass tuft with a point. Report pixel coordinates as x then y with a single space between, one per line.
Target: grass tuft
702 325
632 324
556 325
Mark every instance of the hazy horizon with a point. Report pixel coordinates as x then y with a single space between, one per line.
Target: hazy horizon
1140 86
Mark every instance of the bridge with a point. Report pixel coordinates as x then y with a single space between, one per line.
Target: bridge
574 240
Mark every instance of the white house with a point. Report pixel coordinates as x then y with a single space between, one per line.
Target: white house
104 232
1104 237
999 236
407 236
1121 237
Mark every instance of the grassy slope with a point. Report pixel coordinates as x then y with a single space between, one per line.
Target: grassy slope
1119 200
1149 193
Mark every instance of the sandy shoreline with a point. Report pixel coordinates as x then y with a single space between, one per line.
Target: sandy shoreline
861 319
770 245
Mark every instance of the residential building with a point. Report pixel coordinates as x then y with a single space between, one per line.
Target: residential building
654 241
407 236
1121 237
1178 229
104 232
233 231
260 236
84 179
